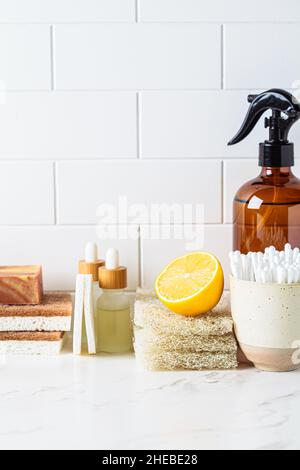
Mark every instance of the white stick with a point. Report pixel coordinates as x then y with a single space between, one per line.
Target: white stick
260 258
295 253
238 263
78 313
89 314
296 275
290 275
280 275
254 260
288 252
264 276
244 267
271 253
273 271
258 274
234 270
250 267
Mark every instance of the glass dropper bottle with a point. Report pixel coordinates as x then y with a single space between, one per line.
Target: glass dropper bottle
113 322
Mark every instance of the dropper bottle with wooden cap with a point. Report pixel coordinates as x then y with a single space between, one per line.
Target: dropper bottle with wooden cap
113 324
90 265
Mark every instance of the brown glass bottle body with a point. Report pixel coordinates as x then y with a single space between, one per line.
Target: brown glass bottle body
266 211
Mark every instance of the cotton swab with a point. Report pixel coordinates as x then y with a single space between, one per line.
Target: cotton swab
296 275
295 253
280 275
271 266
290 275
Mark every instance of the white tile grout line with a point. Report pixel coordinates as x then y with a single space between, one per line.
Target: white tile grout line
131 159
140 90
137 11
222 57
93 225
138 127
222 191
52 71
136 16
55 192
223 173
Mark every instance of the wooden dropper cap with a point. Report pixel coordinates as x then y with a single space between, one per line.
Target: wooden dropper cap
112 276
90 265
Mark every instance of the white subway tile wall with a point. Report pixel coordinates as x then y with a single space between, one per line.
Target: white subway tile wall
219 11
25 57
64 11
252 58
130 102
26 193
139 181
63 125
137 56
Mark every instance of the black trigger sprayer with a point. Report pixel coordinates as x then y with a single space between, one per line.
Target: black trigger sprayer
277 150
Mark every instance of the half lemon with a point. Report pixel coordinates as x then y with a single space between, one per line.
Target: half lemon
192 284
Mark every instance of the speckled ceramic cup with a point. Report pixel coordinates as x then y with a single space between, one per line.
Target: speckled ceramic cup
267 323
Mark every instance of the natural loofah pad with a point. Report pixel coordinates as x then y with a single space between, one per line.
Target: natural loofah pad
151 341
149 312
164 340
163 360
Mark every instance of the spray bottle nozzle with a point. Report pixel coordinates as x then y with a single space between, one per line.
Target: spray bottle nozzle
251 98
276 151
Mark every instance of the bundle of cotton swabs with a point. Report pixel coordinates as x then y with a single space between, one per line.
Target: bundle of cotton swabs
271 266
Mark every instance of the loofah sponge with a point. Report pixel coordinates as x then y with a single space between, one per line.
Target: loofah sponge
149 312
164 360
164 340
151 341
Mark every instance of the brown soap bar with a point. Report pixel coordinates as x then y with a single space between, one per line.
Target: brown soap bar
53 304
21 285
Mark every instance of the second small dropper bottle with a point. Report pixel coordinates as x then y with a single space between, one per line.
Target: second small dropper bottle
113 322
90 265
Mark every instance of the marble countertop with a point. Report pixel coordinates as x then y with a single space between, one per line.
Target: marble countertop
107 402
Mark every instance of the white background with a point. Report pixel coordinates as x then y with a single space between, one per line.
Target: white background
102 98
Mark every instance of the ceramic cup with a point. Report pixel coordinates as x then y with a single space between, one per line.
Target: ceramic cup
267 323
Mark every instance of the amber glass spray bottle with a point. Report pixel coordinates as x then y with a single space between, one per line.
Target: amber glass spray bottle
266 210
